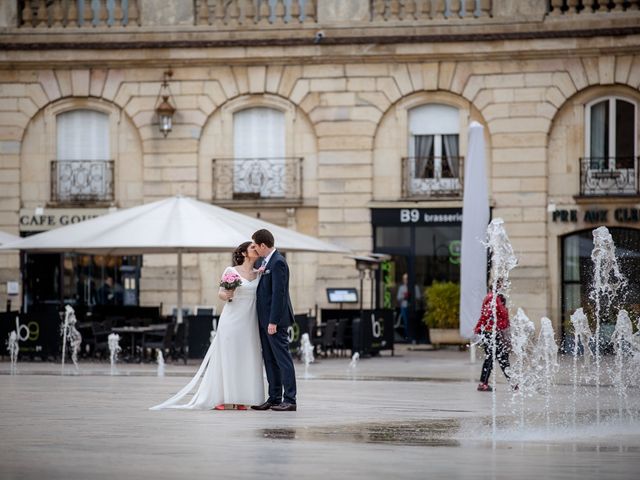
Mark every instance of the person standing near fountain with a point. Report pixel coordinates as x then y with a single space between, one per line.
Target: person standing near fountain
232 368
484 328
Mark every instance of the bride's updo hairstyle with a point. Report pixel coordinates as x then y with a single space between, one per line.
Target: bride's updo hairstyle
238 257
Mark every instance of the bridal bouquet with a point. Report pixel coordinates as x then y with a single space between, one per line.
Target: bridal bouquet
230 281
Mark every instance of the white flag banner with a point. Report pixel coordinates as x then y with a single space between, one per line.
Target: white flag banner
475 218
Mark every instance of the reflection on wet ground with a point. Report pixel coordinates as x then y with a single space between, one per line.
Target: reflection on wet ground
471 432
436 433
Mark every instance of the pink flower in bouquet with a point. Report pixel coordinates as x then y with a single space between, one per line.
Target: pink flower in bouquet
230 281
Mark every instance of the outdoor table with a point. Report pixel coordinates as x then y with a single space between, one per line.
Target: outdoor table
133 331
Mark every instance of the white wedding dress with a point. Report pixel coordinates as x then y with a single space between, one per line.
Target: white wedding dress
232 368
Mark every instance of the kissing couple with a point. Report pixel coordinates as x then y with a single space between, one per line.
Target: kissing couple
255 318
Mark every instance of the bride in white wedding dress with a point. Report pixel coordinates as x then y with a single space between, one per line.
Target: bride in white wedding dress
232 368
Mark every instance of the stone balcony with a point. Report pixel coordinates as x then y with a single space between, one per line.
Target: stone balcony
300 21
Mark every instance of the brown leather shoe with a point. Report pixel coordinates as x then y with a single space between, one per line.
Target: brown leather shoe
284 407
265 406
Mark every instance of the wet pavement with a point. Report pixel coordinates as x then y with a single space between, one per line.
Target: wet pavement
414 415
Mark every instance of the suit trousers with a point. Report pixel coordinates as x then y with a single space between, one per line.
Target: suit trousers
278 365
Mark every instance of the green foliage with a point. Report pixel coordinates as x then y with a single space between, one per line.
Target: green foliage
443 305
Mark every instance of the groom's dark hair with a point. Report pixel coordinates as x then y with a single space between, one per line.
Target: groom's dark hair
263 236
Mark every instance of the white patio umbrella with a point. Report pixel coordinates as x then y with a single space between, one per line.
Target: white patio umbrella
475 218
7 238
174 225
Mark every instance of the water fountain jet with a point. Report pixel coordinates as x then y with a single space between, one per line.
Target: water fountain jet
114 348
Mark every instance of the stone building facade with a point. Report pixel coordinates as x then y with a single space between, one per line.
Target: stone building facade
348 81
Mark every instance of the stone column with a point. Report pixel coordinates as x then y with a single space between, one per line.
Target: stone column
161 13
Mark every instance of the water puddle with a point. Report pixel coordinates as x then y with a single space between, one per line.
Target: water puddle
436 433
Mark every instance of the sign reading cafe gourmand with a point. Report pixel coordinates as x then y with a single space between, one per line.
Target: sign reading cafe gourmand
50 218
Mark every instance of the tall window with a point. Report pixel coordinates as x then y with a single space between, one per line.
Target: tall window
259 152
83 135
82 170
577 275
433 165
434 131
611 133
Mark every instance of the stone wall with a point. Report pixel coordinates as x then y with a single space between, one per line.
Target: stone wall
346 110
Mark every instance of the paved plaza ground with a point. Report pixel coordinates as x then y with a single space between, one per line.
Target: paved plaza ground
414 415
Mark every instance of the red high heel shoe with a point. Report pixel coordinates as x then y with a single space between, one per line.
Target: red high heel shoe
241 407
219 407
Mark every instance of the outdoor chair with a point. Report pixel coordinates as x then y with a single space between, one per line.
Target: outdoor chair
179 347
328 337
160 339
100 338
341 331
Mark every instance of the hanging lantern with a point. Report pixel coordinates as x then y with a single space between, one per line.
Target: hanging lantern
165 108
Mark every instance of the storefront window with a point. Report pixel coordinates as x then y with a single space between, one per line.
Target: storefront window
424 245
82 281
577 268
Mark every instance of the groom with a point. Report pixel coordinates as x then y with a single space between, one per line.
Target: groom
275 314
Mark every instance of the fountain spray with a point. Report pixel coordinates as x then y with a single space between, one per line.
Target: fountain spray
69 332
522 330
581 335
114 348
503 260
307 353
160 360
13 348
608 282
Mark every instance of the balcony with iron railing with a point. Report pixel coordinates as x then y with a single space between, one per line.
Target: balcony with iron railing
427 178
609 176
263 180
82 181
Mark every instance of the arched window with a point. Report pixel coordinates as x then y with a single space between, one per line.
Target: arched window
434 154
577 274
83 169
611 131
259 152
611 147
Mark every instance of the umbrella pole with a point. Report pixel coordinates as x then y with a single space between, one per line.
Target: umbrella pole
179 314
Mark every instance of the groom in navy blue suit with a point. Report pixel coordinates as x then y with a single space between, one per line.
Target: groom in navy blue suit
275 315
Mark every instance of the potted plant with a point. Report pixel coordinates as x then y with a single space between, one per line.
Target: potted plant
443 313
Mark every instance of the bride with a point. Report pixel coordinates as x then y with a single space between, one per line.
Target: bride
232 366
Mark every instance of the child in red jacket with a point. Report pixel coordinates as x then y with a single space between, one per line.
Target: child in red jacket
484 328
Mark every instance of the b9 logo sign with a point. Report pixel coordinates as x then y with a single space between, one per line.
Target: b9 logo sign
29 331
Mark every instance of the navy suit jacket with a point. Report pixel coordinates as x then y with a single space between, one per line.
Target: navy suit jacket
272 296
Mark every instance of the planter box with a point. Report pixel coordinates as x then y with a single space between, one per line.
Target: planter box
446 336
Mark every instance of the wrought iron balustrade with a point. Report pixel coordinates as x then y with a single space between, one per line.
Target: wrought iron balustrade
81 181
602 176
429 177
257 178
77 13
587 7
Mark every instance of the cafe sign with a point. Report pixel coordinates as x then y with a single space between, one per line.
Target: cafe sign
40 220
596 215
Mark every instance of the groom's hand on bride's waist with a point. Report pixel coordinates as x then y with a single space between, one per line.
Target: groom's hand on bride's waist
272 328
